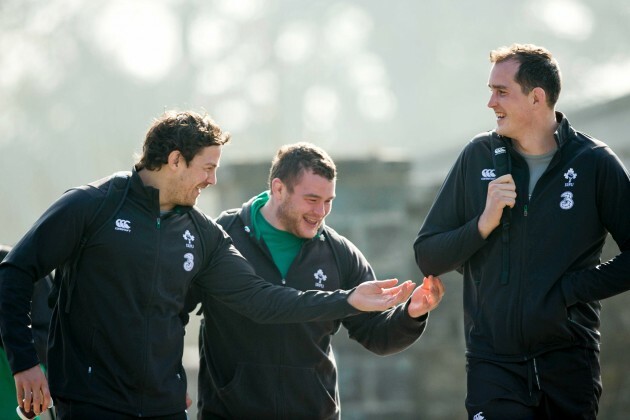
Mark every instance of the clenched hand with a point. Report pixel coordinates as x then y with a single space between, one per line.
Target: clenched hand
501 194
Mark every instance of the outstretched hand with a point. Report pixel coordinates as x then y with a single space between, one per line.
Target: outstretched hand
426 297
379 295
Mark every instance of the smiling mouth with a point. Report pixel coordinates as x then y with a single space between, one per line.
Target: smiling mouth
311 222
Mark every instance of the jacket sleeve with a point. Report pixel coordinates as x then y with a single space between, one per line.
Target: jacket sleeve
613 201
50 242
382 333
40 316
228 276
448 237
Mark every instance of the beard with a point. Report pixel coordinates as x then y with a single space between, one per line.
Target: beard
293 222
287 218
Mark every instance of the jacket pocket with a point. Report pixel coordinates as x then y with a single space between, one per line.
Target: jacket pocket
276 392
547 319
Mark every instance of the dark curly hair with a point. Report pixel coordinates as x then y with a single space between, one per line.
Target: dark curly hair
292 160
537 68
186 131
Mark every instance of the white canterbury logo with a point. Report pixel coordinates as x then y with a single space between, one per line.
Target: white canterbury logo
123 225
487 174
499 150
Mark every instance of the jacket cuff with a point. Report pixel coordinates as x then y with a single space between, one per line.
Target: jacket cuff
411 320
351 310
23 361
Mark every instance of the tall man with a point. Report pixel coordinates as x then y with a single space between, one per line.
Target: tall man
116 339
249 370
532 284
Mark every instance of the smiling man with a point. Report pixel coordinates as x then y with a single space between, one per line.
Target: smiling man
528 243
115 352
249 370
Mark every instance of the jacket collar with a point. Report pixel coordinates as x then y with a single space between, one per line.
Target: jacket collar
150 195
563 133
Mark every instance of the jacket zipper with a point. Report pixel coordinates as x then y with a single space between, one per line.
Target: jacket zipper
158 225
523 251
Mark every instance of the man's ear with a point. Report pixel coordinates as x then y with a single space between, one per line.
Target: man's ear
277 188
175 159
539 96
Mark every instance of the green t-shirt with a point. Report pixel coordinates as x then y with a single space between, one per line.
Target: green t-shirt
284 246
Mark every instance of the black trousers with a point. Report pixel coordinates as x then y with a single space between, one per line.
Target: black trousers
561 384
78 410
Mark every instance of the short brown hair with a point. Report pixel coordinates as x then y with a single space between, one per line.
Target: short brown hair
292 160
537 68
186 131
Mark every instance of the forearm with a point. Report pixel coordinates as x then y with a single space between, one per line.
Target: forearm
233 281
438 252
16 289
386 332
269 304
608 279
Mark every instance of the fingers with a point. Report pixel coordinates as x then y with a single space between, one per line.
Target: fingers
374 296
403 293
385 284
410 286
426 297
502 191
32 390
40 402
436 286
27 399
35 402
403 287
31 401
503 179
501 194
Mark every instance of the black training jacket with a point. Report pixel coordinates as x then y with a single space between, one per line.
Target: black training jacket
121 343
551 297
249 370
